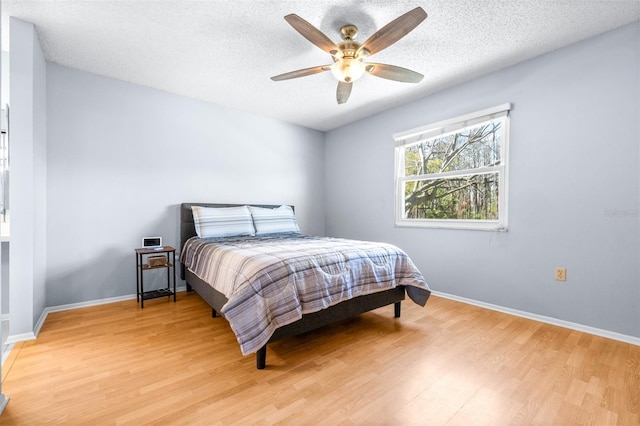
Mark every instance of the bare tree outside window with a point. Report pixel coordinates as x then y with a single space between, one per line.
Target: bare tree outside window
472 196
456 176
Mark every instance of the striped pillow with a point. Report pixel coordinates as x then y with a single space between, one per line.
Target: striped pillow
274 221
222 221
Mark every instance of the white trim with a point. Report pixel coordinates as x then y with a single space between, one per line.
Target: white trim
457 173
435 130
503 201
547 320
460 122
523 314
470 225
33 335
21 337
3 402
6 352
98 302
87 304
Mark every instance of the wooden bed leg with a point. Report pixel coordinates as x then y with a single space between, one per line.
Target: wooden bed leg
261 357
396 307
213 313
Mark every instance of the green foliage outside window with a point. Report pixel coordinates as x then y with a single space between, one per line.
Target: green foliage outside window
455 175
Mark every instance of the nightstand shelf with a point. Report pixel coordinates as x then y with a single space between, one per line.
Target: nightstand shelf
166 265
141 267
154 294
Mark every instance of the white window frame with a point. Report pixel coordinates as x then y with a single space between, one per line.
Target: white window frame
442 128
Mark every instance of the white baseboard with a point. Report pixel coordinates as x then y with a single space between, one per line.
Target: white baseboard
14 338
6 350
30 336
87 304
541 318
3 402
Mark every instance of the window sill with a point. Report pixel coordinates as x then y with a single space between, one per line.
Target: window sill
468 225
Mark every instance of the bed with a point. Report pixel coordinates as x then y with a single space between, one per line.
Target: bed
291 318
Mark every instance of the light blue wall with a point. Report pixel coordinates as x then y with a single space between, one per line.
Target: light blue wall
28 193
574 160
3 267
122 157
4 258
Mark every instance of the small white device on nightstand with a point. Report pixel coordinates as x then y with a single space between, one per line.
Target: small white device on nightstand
152 242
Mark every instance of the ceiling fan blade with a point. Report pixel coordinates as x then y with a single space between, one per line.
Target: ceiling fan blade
344 90
394 31
392 72
312 34
301 73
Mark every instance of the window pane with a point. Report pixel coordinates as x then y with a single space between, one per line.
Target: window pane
473 197
470 148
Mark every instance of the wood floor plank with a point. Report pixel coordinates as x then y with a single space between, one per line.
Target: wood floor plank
446 364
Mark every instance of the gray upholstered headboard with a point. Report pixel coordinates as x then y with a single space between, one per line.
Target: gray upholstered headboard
187 227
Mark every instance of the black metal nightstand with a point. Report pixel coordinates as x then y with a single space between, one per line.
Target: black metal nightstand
169 264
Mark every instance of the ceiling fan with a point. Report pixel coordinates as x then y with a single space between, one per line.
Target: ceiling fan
348 55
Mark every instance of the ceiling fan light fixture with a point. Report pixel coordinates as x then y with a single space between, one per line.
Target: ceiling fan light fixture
347 55
348 70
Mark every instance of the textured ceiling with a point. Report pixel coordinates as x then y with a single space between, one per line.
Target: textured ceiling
225 51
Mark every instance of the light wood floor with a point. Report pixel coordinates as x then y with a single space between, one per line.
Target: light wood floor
446 364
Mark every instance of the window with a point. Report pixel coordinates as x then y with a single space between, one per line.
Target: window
453 174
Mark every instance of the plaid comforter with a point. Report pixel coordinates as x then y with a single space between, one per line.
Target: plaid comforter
271 281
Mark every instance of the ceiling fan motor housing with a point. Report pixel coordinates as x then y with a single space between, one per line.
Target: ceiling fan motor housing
348 67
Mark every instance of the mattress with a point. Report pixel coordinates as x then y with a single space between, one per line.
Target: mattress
271 281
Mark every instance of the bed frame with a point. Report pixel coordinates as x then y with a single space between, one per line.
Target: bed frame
308 322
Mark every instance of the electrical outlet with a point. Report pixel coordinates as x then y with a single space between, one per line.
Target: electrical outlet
561 274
